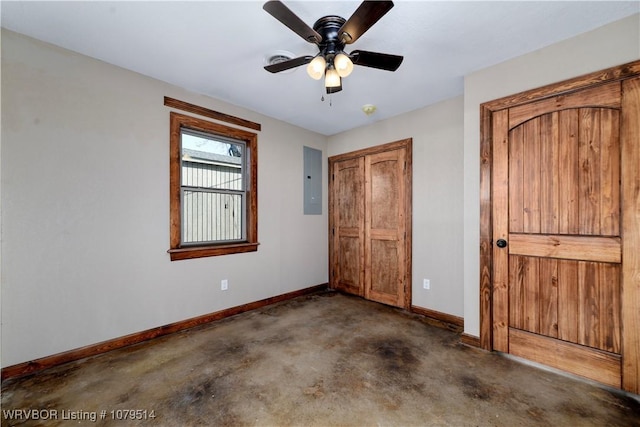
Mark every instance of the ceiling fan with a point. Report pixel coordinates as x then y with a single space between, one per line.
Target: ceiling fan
331 33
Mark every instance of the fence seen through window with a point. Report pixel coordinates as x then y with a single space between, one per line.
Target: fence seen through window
212 188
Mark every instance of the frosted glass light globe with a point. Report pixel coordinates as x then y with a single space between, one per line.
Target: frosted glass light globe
316 67
332 78
343 65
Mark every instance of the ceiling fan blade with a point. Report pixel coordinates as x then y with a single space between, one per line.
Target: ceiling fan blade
282 13
367 14
287 65
382 61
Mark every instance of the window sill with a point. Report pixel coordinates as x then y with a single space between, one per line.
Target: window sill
208 251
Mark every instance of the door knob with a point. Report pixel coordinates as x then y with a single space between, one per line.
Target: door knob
501 243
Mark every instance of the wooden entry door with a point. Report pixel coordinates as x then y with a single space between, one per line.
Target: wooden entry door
565 213
370 214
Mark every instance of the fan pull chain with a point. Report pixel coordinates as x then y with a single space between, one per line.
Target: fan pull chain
330 96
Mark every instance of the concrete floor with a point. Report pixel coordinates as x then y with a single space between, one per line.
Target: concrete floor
321 360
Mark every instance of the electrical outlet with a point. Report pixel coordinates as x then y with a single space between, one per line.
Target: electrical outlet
426 283
224 284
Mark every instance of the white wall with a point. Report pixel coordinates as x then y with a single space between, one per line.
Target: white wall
607 46
85 207
437 195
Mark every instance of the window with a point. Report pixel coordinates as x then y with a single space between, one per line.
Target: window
213 185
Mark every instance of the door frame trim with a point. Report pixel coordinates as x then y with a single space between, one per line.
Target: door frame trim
407 144
487 111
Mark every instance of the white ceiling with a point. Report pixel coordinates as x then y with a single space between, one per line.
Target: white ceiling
218 48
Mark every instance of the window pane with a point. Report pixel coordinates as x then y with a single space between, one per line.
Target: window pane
211 163
210 217
196 174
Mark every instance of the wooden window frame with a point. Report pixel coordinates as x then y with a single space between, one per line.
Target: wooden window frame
250 244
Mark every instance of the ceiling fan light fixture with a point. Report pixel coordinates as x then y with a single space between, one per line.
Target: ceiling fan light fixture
332 78
343 64
316 67
330 34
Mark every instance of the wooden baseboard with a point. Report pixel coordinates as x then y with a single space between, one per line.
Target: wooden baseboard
471 340
443 320
46 362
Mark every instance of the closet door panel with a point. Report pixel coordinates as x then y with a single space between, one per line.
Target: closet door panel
384 227
347 226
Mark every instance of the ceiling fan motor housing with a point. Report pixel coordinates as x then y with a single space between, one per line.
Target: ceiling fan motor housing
332 43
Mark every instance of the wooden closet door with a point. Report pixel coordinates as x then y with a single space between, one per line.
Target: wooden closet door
557 212
370 223
385 208
347 218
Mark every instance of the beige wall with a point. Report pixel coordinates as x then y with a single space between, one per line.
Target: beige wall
437 195
610 45
85 207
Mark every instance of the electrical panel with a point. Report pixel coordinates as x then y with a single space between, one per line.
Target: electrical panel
312 181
